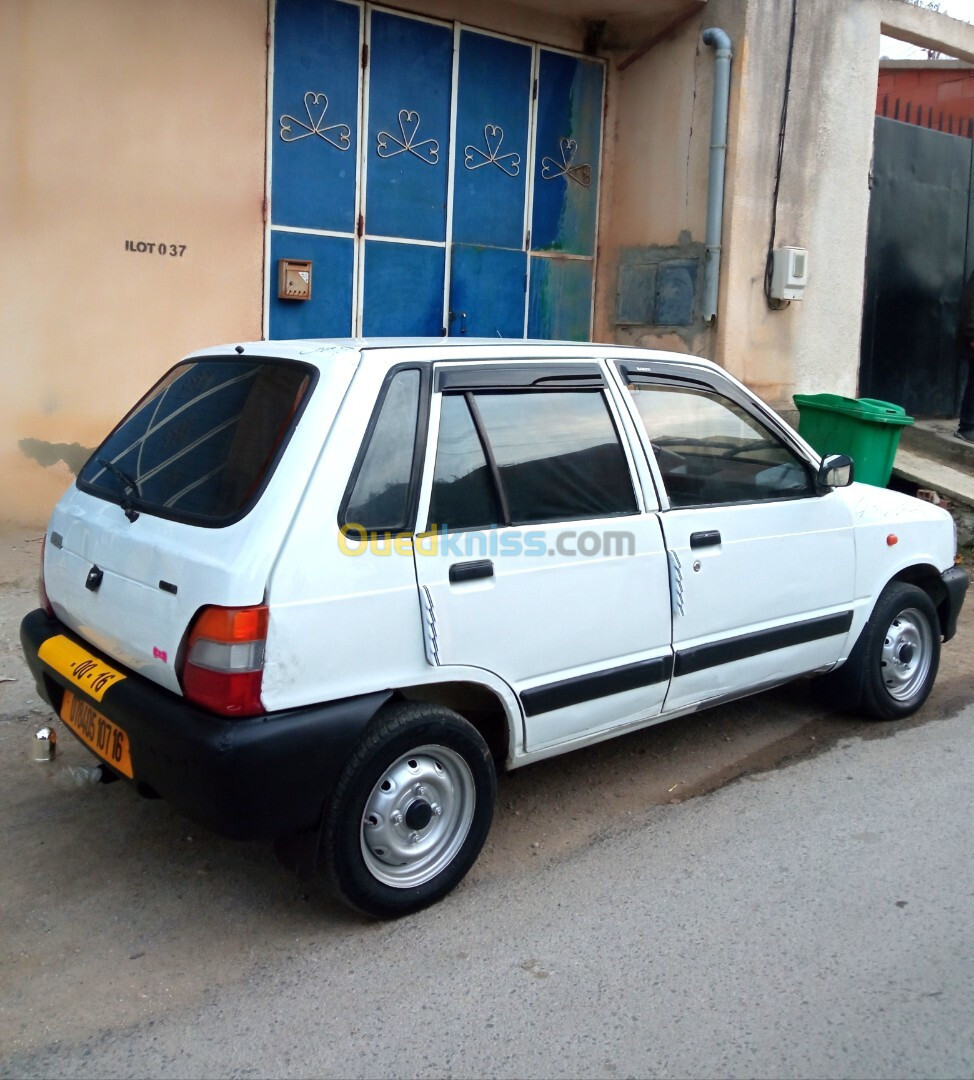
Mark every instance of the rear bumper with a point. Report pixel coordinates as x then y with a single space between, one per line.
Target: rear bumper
955 582
251 778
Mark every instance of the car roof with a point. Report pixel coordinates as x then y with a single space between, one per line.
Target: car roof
319 351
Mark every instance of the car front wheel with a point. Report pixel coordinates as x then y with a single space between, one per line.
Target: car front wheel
892 668
410 812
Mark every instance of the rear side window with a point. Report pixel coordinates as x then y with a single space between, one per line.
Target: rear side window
525 457
381 487
203 443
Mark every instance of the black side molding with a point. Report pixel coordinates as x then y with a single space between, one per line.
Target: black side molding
560 695
701 657
470 571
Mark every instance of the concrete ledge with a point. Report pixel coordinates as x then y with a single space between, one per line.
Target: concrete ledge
935 439
952 483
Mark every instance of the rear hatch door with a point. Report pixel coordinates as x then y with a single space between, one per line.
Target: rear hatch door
187 502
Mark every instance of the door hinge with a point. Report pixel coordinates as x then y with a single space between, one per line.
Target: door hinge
365 56
534 92
360 226
266 209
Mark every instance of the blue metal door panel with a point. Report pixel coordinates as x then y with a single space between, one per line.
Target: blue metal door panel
408 149
404 150
567 148
560 302
329 311
403 285
487 287
314 137
491 152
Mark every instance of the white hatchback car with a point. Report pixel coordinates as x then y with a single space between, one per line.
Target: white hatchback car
317 591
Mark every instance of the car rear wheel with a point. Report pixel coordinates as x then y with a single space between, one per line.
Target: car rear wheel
892 668
410 812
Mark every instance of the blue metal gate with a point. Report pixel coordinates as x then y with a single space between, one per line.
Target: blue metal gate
563 223
407 164
314 163
464 203
488 271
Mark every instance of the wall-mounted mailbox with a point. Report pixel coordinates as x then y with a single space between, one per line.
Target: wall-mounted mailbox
293 279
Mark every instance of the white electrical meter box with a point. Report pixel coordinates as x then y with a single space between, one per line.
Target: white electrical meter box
789 273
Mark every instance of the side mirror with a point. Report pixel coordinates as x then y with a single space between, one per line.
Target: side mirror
835 471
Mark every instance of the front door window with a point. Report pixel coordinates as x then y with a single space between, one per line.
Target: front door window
711 452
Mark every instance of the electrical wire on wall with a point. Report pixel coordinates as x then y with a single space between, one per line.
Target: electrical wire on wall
777 305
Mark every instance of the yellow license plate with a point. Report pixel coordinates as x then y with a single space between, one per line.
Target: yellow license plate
107 740
87 672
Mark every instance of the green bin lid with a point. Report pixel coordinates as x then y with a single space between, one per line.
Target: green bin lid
876 412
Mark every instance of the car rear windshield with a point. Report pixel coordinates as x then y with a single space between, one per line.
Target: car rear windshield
201 445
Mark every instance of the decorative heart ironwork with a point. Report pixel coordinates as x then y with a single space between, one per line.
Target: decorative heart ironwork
476 158
552 169
428 150
316 105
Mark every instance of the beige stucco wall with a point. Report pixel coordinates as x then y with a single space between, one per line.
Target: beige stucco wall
657 154
660 190
503 17
661 134
811 345
120 121
141 121
137 121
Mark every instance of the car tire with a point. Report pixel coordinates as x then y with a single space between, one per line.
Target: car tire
410 811
891 670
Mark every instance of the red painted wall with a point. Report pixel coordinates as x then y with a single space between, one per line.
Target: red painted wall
938 97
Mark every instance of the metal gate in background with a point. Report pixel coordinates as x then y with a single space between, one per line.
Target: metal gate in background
918 254
441 180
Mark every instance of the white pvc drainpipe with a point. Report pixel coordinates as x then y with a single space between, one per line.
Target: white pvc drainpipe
718 157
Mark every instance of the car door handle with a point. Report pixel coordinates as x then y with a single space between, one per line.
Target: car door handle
470 571
711 538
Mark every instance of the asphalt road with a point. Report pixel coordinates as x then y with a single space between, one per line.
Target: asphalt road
804 910
810 921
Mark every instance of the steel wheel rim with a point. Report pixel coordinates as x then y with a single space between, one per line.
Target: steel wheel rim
417 816
907 653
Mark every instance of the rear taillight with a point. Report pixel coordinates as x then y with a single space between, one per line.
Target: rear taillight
224 659
41 587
